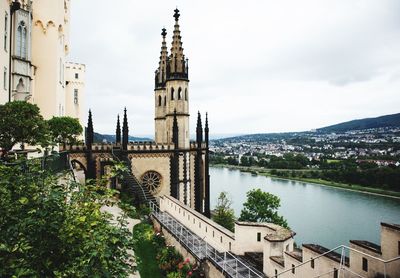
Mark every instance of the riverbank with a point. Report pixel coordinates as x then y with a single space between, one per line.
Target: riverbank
350 187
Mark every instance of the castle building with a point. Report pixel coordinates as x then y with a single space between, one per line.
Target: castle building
172 165
33 57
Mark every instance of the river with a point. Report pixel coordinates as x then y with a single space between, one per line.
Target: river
318 214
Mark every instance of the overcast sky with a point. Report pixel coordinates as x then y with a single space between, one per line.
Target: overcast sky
255 66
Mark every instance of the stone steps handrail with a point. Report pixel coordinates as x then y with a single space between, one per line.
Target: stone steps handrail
227 261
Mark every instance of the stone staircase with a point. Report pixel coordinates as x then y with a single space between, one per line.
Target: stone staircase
131 185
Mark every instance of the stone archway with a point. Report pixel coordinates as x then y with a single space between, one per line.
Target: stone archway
79 167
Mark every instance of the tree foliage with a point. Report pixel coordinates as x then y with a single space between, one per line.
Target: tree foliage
64 130
21 122
262 207
53 230
223 213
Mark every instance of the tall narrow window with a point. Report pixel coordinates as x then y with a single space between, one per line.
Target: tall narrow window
293 269
5 78
159 100
365 264
23 44
165 100
76 75
19 41
335 273
398 248
180 93
76 96
186 94
312 263
258 236
5 31
172 94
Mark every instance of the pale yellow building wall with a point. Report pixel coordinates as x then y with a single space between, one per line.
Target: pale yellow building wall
322 265
390 245
49 44
75 108
246 237
182 108
356 258
160 111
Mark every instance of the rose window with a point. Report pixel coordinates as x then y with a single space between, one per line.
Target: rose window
152 180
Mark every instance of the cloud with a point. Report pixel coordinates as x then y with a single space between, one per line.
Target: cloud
259 66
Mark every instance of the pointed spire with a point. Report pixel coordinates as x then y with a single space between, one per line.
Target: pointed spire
199 130
118 132
206 130
89 131
125 132
161 72
177 61
175 131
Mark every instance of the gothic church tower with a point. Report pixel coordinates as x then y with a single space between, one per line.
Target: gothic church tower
171 91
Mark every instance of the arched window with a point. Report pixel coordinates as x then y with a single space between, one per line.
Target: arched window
23 43
165 100
186 94
19 41
172 94
180 93
159 100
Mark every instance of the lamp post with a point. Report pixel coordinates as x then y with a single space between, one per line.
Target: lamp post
15 6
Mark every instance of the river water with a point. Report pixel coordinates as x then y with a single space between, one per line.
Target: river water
318 214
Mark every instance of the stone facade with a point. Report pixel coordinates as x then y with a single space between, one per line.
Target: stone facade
39 49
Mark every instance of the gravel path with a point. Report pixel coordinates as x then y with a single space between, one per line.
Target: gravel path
116 212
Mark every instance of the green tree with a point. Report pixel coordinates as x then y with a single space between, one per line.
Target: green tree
53 230
223 213
262 207
64 130
21 122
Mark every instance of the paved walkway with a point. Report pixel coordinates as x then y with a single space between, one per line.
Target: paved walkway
116 212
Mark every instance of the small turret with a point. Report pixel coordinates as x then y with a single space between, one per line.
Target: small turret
125 132
206 131
118 132
199 130
177 63
161 72
89 132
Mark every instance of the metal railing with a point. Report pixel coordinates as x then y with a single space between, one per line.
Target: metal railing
130 172
227 262
54 163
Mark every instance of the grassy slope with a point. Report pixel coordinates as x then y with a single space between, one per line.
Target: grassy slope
145 251
355 187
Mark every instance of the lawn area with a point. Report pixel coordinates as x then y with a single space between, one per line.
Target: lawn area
145 251
332 160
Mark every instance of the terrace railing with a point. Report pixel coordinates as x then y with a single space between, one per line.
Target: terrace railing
227 262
